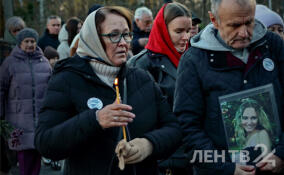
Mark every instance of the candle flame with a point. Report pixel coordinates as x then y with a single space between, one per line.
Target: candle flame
116 82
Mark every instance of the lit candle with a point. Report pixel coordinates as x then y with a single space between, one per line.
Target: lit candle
118 102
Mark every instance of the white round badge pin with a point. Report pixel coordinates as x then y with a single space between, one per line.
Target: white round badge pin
268 64
94 103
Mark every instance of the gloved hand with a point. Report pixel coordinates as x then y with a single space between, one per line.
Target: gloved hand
133 152
140 149
121 150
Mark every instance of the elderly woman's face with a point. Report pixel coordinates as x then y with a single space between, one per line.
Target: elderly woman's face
249 119
116 51
28 45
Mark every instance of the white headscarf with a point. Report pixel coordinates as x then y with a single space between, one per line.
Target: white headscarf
89 42
90 45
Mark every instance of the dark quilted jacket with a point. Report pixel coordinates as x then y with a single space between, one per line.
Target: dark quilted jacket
164 73
23 82
68 129
161 69
203 76
48 40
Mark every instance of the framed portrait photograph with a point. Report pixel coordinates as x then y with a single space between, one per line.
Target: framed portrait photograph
251 122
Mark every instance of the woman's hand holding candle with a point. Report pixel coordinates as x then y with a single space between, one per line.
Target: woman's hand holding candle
115 115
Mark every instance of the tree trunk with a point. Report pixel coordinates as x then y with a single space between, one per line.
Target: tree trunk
2 23
270 4
282 9
7 12
41 13
204 12
8 8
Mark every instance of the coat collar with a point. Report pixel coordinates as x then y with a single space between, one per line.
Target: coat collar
218 59
50 35
20 54
82 67
164 63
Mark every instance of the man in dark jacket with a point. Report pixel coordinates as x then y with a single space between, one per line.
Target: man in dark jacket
195 25
50 36
234 53
142 27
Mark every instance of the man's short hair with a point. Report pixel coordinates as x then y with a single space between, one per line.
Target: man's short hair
52 17
139 12
215 4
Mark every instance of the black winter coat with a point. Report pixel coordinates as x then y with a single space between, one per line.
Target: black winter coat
203 76
48 40
164 73
137 34
161 68
68 129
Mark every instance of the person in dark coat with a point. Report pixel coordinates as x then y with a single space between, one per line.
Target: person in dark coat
50 36
5 153
13 26
5 50
142 27
81 120
165 47
168 40
234 53
23 81
195 25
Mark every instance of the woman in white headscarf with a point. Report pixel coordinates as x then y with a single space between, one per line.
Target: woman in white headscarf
81 120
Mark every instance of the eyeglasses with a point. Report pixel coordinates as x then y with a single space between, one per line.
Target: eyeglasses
17 30
116 37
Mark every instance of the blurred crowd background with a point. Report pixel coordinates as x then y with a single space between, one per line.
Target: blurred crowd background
35 12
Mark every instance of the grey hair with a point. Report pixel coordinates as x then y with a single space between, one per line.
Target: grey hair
139 12
15 22
215 4
52 17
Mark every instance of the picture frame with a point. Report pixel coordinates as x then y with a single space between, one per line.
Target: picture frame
251 123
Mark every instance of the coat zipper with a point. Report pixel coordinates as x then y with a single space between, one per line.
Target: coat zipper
33 90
